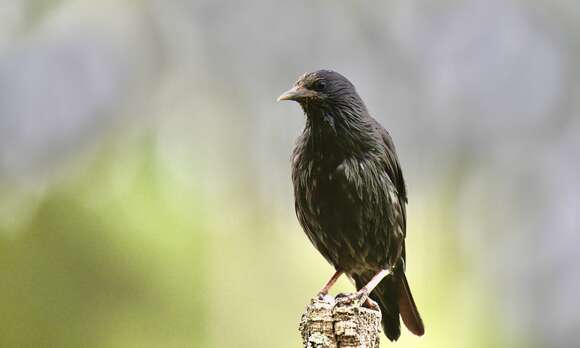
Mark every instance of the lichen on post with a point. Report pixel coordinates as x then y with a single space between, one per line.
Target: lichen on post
328 323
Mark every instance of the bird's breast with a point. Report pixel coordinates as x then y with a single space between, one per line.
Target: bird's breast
343 206
331 216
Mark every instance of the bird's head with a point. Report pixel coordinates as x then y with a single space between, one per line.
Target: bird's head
323 89
336 115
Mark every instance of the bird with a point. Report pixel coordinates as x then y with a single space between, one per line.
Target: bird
350 197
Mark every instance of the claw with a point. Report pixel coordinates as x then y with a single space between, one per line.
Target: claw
341 294
359 297
362 295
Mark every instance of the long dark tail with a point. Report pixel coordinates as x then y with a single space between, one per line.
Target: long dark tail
408 309
394 298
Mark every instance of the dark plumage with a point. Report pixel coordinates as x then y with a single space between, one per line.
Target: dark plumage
350 194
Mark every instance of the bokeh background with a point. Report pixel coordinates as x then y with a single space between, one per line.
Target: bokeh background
145 195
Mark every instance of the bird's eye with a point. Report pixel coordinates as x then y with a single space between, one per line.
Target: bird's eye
319 85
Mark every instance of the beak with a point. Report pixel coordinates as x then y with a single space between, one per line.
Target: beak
296 93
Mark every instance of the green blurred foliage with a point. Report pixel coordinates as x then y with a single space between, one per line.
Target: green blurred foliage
105 264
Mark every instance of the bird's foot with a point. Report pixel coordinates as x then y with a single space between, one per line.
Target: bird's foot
360 297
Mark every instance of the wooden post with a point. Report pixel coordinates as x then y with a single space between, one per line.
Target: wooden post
328 323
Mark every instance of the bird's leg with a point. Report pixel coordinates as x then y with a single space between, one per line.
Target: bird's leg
363 294
375 281
369 303
324 291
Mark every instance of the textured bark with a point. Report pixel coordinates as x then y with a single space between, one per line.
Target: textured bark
328 323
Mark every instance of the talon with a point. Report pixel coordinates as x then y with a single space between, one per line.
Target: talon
362 295
341 294
358 297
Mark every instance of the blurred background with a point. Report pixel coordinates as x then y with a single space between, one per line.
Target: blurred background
145 194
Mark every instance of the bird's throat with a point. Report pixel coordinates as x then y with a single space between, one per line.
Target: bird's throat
321 128
336 132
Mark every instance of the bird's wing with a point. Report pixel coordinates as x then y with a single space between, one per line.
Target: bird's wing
393 169
375 203
392 166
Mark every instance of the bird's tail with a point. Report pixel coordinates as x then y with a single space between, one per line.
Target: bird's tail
408 308
394 298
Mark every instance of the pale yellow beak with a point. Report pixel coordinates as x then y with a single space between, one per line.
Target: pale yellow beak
296 93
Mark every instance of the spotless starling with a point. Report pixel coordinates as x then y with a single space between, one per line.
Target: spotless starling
350 196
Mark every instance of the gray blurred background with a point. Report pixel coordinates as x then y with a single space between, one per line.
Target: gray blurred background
145 196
